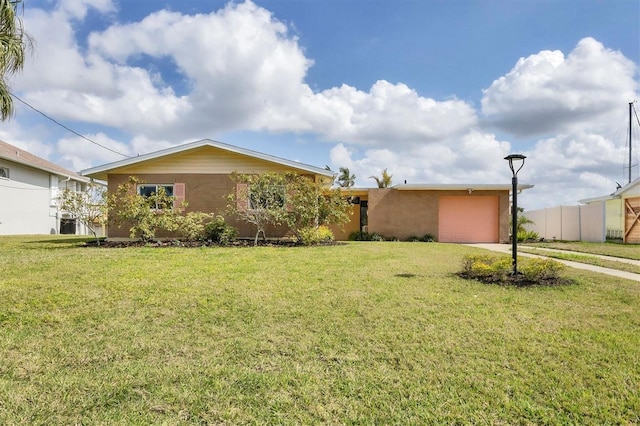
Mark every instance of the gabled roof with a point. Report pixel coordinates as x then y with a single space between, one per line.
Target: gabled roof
615 195
105 168
14 154
628 187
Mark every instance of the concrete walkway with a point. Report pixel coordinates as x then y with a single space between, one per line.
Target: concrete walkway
506 248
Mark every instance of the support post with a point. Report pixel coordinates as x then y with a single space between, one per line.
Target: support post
518 159
514 225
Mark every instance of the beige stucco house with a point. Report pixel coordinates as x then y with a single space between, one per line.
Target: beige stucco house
29 187
198 172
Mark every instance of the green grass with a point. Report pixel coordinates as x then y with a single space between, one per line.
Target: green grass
583 258
362 333
627 251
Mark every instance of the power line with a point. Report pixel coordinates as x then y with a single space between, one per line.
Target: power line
67 128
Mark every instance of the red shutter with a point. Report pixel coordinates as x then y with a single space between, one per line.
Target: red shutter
178 195
242 197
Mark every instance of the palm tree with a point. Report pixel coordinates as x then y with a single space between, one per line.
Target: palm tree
384 181
13 44
346 179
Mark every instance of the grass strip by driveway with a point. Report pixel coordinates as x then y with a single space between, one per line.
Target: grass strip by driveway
361 333
615 249
583 258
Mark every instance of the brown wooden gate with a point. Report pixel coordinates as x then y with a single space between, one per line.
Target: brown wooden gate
632 220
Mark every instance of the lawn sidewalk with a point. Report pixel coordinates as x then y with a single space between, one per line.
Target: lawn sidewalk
506 248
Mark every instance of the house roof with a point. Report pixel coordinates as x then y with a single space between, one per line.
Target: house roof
100 172
458 187
16 155
631 186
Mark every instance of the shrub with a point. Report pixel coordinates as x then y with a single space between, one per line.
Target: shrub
357 236
428 238
486 268
310 235
491 269
192 225
219 231
541 270
524 235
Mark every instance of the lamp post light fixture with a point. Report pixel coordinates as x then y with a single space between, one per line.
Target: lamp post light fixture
514 160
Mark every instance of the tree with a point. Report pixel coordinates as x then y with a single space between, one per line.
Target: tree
384 181
313 204
144 214
88 207
13 44
345 178
259 200
296 201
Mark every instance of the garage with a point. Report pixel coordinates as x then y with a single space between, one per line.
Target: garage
468 219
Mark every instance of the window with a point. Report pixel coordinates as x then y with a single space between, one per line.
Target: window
267 197
149 191
4 172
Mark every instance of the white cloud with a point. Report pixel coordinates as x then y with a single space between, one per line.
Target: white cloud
387 116
473 158
76 154
171 78
78 8
241 69
547 92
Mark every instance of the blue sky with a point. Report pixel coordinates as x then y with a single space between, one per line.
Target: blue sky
434 91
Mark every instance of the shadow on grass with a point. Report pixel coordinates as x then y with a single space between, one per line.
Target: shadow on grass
406 275
66 242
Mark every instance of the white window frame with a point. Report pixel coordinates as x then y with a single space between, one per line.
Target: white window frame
166 186
4 173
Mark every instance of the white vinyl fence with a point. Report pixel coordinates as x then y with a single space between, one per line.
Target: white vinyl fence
569 223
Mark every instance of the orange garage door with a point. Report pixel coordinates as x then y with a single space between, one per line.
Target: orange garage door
468 219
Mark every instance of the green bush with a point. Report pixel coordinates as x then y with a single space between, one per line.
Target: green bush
219 231
541 269
364 236
192 225
492 269
426 238
486 268
311 235
524 235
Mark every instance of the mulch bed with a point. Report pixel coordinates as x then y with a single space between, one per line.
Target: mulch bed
518 281
179 243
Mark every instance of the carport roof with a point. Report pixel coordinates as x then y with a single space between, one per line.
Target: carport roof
458 187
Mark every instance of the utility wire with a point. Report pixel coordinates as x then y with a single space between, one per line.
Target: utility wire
67 128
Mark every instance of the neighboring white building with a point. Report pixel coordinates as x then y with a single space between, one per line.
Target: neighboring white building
29 187
622 218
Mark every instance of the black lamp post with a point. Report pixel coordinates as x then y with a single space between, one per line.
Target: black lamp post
514 160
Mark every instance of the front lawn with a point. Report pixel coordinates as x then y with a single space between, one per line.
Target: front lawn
361 333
